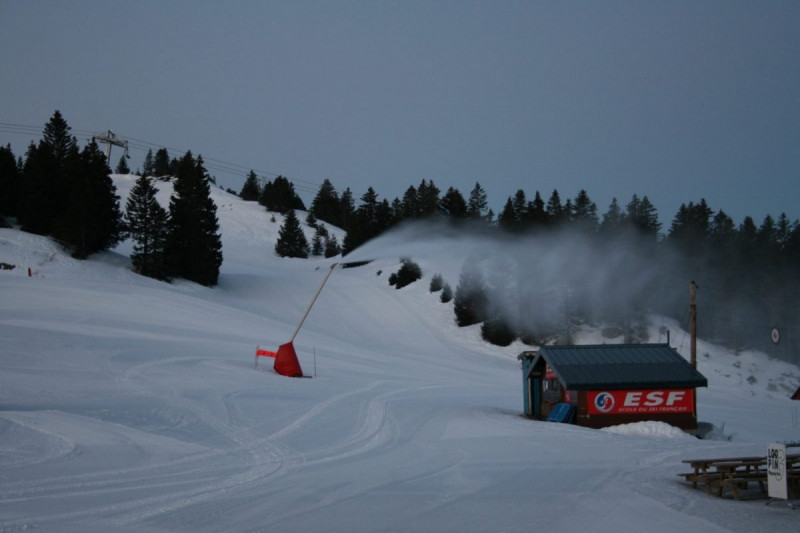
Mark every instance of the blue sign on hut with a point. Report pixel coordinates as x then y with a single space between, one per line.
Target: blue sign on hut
610 384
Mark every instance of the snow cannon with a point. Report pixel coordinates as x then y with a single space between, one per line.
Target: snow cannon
286 362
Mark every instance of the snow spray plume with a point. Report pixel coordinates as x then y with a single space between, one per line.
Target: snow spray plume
540 283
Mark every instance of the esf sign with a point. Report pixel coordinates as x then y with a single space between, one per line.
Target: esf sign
659 401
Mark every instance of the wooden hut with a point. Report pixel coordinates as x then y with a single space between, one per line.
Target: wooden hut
612 384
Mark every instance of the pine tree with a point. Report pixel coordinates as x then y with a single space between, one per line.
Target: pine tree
318 241
520 204
690 228
250 190
279 196
555 210
291 239
194 246
410 203
613 220
365 223
122 166
332 248
428 196
9 183
44 173
497 331
536 212
471 301
161 164
642 215
584 213
147 167
147 225
346 208
477 203
91 220
57 138
453 204
326 204
508 216
447 293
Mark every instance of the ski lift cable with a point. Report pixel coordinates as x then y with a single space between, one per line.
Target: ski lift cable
143 145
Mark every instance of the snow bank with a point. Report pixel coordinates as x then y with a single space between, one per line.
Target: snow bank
649 428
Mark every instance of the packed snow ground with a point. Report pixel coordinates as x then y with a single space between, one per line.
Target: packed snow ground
128 404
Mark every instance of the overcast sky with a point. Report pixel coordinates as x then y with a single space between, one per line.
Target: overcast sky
674 100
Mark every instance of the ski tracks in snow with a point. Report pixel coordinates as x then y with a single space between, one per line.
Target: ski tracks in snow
188 483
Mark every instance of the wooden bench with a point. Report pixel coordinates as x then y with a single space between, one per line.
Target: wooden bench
736 473
732 473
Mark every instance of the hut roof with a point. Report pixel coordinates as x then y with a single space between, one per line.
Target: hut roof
618 366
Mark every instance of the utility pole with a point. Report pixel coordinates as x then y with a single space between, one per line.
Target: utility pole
693 322
109 138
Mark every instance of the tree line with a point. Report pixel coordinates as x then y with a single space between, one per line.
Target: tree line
748 274
65 192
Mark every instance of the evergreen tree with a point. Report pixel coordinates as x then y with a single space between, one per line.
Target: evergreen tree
346 208
428 196
365 222
410 204
317 242
161 164
9 183
326 204
453 204
613 220
91 220
470 298
279 196
409 273
447 293
194 246
642 215
584 213
508 216
311 220
436 283
477 203
57 138
520 205
690 228
536 212
555 210
498 332
147 166
332 248
291 239
43 183
122 166
147 225
250 190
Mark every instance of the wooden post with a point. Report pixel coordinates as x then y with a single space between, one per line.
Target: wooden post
693 322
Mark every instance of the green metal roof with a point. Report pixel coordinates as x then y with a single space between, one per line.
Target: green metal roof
619 366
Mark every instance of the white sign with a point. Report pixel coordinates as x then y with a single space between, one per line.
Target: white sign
776 472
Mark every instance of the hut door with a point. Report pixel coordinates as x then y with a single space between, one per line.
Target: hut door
535 392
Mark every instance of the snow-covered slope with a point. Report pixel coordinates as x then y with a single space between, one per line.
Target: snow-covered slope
128 404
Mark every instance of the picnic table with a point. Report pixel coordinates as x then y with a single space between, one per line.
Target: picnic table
736 473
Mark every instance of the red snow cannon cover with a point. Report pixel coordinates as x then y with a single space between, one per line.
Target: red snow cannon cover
286 363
